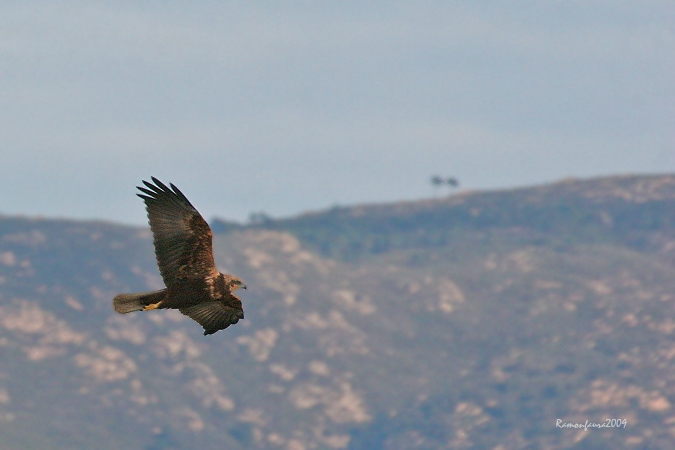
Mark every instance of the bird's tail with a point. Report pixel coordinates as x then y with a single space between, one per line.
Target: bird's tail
126 303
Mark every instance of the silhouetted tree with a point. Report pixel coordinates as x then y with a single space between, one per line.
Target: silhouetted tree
437 182
258 218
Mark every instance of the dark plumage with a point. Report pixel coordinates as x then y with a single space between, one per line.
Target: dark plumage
184 251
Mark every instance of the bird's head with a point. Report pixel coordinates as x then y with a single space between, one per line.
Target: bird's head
233 283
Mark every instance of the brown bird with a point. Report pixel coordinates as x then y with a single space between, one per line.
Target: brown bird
184 252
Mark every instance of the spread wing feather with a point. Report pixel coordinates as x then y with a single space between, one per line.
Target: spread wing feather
213 315
182 238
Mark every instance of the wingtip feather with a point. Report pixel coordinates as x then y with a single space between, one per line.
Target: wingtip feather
160 185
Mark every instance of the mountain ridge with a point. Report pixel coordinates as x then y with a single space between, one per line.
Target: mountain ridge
603 208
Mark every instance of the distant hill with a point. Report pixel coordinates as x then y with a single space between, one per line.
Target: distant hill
473 321
626 209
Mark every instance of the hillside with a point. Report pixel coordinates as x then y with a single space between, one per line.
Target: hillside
473 321
616 210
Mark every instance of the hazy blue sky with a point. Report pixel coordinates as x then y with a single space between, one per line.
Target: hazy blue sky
288 106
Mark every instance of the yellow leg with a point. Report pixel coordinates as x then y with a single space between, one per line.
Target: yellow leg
152 306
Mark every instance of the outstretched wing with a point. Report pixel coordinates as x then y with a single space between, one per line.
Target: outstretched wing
213 315
182 238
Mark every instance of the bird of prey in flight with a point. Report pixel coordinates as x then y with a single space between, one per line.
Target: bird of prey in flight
184 252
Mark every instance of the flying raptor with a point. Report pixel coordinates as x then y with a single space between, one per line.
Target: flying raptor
184 252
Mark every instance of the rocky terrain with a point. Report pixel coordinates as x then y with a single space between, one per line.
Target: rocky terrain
476 321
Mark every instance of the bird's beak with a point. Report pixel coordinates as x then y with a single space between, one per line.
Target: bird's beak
243 286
